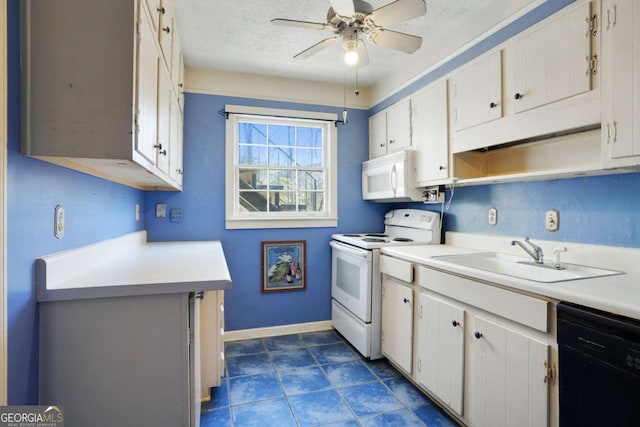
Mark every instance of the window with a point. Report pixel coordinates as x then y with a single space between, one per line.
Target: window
280 168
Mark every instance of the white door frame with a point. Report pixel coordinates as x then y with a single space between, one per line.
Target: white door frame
3 202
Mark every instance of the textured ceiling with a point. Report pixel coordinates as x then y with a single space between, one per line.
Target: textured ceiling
238 36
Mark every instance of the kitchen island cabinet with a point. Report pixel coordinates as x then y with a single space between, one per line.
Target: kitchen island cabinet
120 330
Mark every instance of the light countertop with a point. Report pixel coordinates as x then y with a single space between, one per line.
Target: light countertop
618 294
129 265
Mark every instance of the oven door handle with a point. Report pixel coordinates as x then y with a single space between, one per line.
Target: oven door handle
350 249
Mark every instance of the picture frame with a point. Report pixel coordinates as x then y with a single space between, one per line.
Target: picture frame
284 265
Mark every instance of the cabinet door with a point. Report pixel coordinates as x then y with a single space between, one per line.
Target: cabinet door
155 9
430 133
397 324
552 62
399 126
175 147
163 146
166 29
378 134
476 92
509 387
621 88
147 91
440 350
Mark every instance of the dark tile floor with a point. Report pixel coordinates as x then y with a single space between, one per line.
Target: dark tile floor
313 379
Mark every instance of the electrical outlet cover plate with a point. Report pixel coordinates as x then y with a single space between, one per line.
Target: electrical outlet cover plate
161 210
492 216
58 222
552 220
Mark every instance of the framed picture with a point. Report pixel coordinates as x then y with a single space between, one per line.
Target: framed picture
284 265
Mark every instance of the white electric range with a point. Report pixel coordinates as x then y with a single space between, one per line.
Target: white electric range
355 273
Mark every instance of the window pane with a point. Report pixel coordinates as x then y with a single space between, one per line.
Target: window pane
309 157
253 201
310 180
311 201
281 157
282 180
252 133
253 179
281 135
252 155
310 137
284 201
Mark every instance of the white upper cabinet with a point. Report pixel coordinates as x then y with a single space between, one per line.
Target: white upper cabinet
109 114
390 129
476 92
430 133
621 90
554 61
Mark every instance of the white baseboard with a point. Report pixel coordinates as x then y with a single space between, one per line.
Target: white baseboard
296 328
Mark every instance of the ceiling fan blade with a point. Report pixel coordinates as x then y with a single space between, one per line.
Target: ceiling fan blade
395 40
343 7
300 24
316 48
398 11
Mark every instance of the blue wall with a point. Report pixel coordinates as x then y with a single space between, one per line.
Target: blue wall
203 204
95 210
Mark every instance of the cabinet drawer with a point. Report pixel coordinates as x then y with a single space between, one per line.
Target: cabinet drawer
397 268
523 309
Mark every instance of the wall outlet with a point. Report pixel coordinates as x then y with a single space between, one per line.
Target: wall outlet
137 211
552 220
492 216
161 210
58 222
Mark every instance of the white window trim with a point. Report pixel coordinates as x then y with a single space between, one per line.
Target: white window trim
329 219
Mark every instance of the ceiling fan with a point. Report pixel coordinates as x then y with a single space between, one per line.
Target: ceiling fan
351 19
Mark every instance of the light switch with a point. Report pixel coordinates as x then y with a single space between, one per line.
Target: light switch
161 210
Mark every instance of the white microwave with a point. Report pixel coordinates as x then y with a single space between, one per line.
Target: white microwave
391 178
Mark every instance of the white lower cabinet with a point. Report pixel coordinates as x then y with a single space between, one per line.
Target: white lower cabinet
397 323
484 353
509 371
440 349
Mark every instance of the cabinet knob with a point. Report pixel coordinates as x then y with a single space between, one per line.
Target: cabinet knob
166 30
391 141
442 168
158 146
381 145
478 335
455 323
200 295
406 301
161 10
518 96
493 105
163 152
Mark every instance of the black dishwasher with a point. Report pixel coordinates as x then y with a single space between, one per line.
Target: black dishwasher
599 368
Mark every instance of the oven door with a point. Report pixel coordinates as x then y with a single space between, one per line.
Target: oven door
351 278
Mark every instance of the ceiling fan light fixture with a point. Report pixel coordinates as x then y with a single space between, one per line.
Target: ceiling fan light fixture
351 51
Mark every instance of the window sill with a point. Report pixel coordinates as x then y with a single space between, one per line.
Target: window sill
247 223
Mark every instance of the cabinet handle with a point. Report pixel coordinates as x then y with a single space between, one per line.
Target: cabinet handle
200 295
493 105
406 301
615 131
166 30
478 335
455 323
161 10
518 95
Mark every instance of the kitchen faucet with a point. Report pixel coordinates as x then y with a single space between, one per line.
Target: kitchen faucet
535 251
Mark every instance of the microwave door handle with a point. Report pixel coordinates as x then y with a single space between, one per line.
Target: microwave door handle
394 179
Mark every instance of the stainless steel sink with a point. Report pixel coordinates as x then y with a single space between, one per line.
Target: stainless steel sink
524 268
